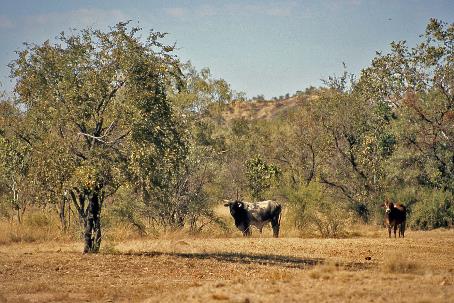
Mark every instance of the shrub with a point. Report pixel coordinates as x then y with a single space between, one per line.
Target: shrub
39 219
330 219
301 202
5 211
435 208
126 209
313 210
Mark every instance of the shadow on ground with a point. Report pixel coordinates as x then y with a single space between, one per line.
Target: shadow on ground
261 259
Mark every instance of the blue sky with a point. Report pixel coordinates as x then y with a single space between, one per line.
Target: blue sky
259 47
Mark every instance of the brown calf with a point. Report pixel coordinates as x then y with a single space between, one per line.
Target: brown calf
395 214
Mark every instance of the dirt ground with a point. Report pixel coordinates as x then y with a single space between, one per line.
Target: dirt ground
419 268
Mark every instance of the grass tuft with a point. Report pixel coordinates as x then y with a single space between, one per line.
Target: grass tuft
402 265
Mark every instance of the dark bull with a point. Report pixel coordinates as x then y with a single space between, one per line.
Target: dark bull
255 214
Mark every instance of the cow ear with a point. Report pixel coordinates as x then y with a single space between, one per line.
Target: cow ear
227 204
382 206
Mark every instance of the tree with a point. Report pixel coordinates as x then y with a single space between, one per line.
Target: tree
183 199
413 87
352 133
298 145
416 86
260 176
202 92
14 160
97 116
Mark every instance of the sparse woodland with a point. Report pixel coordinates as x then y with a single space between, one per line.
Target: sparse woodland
109 129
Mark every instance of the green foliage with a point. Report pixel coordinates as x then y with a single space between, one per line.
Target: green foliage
15 161
302 202
201 94
261 176
240 127
111 114
96 103
127 210
413 87
434 209
330 219
312 210
339 141
96 115
184 201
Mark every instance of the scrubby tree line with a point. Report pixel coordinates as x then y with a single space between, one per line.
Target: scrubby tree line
110 118
387 133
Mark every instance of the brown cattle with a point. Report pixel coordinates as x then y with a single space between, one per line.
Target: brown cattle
395 215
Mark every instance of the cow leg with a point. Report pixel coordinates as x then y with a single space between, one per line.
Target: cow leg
402 229
247 231
275 225
389 230
395 230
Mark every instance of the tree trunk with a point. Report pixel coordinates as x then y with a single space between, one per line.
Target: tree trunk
61 213
18 215
90 216
69 215
92 234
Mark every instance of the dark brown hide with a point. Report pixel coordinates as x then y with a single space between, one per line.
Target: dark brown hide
395 216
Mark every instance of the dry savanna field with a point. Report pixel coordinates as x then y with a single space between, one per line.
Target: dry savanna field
117 120
177 268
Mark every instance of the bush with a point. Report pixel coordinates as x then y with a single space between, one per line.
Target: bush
39 219
314 211
301 203
5 211
330 219
126 209
434 209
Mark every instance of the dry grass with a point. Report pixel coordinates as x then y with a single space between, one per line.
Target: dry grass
264 110
43 226
38 263
35 228
179 268
324 270
399 264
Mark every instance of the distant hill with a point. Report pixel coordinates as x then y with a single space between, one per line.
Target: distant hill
266 110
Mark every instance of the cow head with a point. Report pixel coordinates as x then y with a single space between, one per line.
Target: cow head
235 206
388 206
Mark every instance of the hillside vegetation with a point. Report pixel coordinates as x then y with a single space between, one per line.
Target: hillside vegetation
263 110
